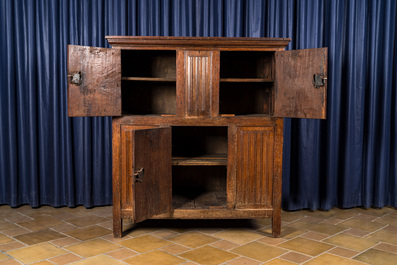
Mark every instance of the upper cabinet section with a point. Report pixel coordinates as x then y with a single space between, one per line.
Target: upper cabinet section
197 77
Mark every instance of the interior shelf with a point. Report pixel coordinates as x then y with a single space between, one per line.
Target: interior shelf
205 160
247 80
148 79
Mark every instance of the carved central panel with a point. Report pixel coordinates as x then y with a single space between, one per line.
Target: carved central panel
198 83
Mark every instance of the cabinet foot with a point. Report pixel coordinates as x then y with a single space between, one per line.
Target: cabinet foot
117 227
276 226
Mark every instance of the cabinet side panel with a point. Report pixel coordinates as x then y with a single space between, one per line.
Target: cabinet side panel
94 78
127 156
198 83
117 221
255 151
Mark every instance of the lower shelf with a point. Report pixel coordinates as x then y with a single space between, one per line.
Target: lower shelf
205 160
203 200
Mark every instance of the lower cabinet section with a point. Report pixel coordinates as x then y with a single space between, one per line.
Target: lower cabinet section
172 170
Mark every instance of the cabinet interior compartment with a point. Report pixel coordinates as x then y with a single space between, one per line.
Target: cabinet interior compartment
141 98
246 98
192 144
148 82
198 187
246 83
199 171
246 65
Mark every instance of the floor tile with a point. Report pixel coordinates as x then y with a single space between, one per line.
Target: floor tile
66 241
63 228
279 262
39 237
122 253
344 252
44 262
41 223
377 257
99 260
86 220
90 232
175 249
3 256
386 247
144 243
286 232
164 233
306 246
17 218
384 235
315 236
9 262
259 251
239 236
224 244
16 231
375 211
5 239
65 259
351 242
92 248
12 245
243 261
193 239
36 253
346 213
356 232
362 224
319 228
4 225
295 257
272 240
388 219
328 259
155 257
208 255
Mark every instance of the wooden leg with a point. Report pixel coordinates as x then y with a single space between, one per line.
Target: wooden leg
276 224
117 226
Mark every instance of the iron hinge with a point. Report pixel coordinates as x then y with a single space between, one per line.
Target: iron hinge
319 80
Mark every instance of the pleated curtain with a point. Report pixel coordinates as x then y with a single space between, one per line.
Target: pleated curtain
347 160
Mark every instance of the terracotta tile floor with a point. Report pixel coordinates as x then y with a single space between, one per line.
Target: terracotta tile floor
83 236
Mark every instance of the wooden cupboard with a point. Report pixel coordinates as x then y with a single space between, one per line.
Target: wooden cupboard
197 121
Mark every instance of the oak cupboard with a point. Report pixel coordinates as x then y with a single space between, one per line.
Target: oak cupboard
197 121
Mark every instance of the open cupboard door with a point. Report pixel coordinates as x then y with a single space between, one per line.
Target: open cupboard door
94 81
147 167
301 87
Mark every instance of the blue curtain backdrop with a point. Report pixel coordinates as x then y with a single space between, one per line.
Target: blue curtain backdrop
347 160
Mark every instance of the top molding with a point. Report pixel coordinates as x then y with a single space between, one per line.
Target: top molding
227 43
